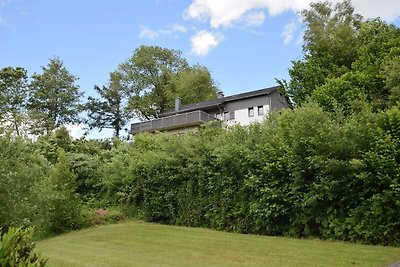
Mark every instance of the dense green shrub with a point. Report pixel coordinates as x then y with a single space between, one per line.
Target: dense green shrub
16 249
21 170
61 208
306 172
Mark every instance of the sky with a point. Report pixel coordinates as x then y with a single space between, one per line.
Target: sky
246 44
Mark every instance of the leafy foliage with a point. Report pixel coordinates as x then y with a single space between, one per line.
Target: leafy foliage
347 60
306 172
21 170
61 210
16 249
13 96
155 76
110 110
330 47
54 98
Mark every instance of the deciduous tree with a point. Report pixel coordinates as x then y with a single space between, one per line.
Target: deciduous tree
13 95
193 85
330 46
153 76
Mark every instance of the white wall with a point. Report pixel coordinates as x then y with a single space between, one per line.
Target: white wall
242 116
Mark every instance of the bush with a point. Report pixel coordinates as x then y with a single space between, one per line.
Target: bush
16 249
21 172
105 216
61 208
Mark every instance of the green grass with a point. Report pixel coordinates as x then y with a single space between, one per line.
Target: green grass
145 244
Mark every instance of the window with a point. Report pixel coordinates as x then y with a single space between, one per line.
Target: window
260 110
218 116
226 116
232 115
251 112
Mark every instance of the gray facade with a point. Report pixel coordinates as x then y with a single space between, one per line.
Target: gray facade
233 108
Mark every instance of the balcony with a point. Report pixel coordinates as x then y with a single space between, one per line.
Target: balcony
184 120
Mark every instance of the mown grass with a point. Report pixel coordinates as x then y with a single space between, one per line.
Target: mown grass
145 244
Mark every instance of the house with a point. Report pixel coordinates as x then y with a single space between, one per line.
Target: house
242 109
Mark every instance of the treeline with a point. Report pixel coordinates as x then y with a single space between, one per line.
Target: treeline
143 86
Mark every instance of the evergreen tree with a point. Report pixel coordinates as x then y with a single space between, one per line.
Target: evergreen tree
109 110
54 98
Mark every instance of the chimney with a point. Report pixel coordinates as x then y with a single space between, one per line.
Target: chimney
177 104
220 94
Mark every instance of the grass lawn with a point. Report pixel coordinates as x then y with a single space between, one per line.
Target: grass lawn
145 244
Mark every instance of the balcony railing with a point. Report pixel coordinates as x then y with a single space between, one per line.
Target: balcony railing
172 122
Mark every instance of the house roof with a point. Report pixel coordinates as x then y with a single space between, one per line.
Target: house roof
213 103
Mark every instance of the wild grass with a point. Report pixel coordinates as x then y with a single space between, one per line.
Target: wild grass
146 244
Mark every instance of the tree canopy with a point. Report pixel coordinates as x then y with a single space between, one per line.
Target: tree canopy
348 61
13 96
153 76
330 47
54 97
109 110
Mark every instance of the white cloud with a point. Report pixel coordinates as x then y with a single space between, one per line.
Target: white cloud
203 42
146 32
288 32
174 29
227 13
254 18
386 9
178 28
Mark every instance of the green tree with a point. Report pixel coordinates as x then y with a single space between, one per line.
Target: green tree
154 75
61 210
330 47
21 169
108 111
193 85
54 98
378 59
13 96
373 77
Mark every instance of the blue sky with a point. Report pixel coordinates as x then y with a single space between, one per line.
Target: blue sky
245 44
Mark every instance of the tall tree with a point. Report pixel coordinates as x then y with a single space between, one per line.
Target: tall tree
330 47
54 97
193 85
108 111
146 75
13 94
374 76
149 76
378 62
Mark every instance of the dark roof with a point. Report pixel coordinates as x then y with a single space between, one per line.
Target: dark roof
218 101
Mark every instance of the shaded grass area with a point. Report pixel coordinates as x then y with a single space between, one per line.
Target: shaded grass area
145 244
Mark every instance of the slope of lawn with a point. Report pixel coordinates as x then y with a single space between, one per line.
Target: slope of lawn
145 244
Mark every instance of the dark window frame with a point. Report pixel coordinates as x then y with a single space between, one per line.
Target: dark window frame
251 112
260 108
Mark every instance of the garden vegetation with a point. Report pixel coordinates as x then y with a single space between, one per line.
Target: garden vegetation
327 168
